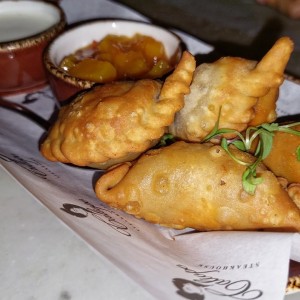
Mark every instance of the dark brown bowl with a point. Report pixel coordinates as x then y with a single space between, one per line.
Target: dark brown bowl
64 85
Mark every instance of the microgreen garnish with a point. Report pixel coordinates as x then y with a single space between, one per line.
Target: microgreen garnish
165 140
249 179
265 135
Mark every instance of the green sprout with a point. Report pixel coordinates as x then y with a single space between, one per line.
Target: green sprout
265 134
165 140
244 142
298 153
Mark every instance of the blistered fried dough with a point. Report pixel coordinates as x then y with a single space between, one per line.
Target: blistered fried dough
294 192
275 61
244 91
115 122
282 159
198 186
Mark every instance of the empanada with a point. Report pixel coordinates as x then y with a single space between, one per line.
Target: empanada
198 186
115 122
294 192
282 159
239 92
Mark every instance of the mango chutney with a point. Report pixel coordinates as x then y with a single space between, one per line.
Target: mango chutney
118 57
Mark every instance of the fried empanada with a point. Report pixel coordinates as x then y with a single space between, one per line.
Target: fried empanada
239 92
116 122
282 160
198 186
294 192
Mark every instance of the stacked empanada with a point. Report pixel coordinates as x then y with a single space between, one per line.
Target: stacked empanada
284 161
118 121
234 91
199 186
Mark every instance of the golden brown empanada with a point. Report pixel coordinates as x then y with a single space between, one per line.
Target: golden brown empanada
294 192
282 159
115 122
245 91
198 186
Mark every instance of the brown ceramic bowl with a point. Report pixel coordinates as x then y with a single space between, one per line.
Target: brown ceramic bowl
81 35
26 28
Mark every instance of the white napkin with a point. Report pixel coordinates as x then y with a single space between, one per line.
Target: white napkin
170 264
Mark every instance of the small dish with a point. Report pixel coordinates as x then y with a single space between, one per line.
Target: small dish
83 34
26 27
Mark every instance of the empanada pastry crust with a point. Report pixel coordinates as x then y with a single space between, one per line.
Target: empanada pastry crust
294 192
239 92
282 159
116 122
198 186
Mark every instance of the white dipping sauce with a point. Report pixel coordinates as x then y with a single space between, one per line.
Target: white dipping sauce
23 19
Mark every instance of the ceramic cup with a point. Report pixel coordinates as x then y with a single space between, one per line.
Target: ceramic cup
26 28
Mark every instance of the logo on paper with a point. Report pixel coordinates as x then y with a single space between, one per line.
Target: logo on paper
106 215
189 289
208 282
30 164
38 95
